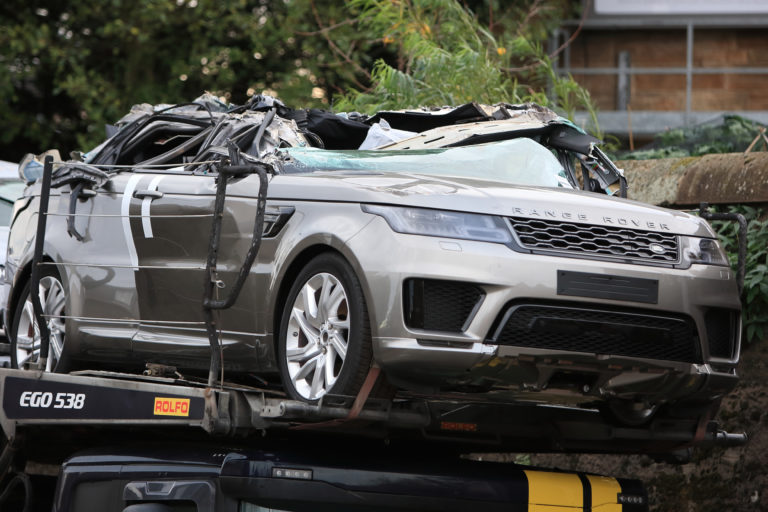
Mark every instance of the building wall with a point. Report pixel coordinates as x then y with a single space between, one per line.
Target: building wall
667 48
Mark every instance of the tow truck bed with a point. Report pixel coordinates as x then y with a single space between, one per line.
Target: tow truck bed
41 400
136 440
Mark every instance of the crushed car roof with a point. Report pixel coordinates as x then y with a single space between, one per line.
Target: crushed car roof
313 127
198 135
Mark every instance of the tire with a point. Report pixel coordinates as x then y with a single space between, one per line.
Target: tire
25 334
328 350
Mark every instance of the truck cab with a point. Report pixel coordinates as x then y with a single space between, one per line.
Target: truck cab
300 477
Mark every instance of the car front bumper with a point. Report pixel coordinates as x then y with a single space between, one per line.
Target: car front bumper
470 359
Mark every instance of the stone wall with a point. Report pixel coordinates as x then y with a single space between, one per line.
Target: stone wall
685 182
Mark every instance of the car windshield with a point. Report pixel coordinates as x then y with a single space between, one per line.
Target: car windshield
520 161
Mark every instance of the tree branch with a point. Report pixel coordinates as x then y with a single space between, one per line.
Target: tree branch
532 11
587 5
327 29
324 31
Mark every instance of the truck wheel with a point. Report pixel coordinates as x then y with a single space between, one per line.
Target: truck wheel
25 332
324 344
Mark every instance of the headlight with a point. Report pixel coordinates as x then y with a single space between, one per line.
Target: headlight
442 223
703 250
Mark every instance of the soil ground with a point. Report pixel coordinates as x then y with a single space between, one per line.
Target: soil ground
717 479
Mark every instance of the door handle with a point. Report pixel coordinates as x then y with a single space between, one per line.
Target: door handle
78 192
141 194
86 193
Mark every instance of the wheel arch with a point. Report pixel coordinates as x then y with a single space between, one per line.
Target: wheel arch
300 260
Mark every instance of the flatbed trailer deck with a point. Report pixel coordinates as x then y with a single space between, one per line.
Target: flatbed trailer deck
49 419
141 440
41 400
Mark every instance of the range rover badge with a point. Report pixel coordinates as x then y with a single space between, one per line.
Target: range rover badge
656 248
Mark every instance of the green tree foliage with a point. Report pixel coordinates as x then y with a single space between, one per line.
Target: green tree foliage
446 55
755 292
732 134
68 68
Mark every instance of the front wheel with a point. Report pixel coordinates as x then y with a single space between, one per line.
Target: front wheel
324 345
25 331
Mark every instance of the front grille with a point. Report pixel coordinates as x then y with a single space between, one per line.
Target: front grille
575 329
539 235
721 332
440 305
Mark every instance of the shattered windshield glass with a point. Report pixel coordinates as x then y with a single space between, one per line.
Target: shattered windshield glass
520 161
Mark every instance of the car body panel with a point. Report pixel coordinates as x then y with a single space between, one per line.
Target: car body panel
479 196
506 276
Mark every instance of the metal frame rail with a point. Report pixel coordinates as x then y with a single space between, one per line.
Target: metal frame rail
704 213
36 399
209 303
37 258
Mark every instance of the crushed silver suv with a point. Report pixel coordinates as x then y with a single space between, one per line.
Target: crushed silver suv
477 252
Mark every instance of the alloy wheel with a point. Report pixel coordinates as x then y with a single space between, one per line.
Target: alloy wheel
318 335
27 334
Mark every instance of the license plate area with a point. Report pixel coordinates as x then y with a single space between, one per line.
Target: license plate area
606 286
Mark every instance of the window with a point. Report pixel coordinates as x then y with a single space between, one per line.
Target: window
520 161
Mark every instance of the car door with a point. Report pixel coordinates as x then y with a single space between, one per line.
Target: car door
102 313
92 239
165 222
170 222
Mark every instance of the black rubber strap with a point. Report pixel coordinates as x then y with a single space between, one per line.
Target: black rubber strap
73 197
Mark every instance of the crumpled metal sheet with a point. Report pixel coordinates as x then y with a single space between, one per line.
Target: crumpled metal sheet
211 102
531 111
278 132
73 172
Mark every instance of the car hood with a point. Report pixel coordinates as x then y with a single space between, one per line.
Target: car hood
481 196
